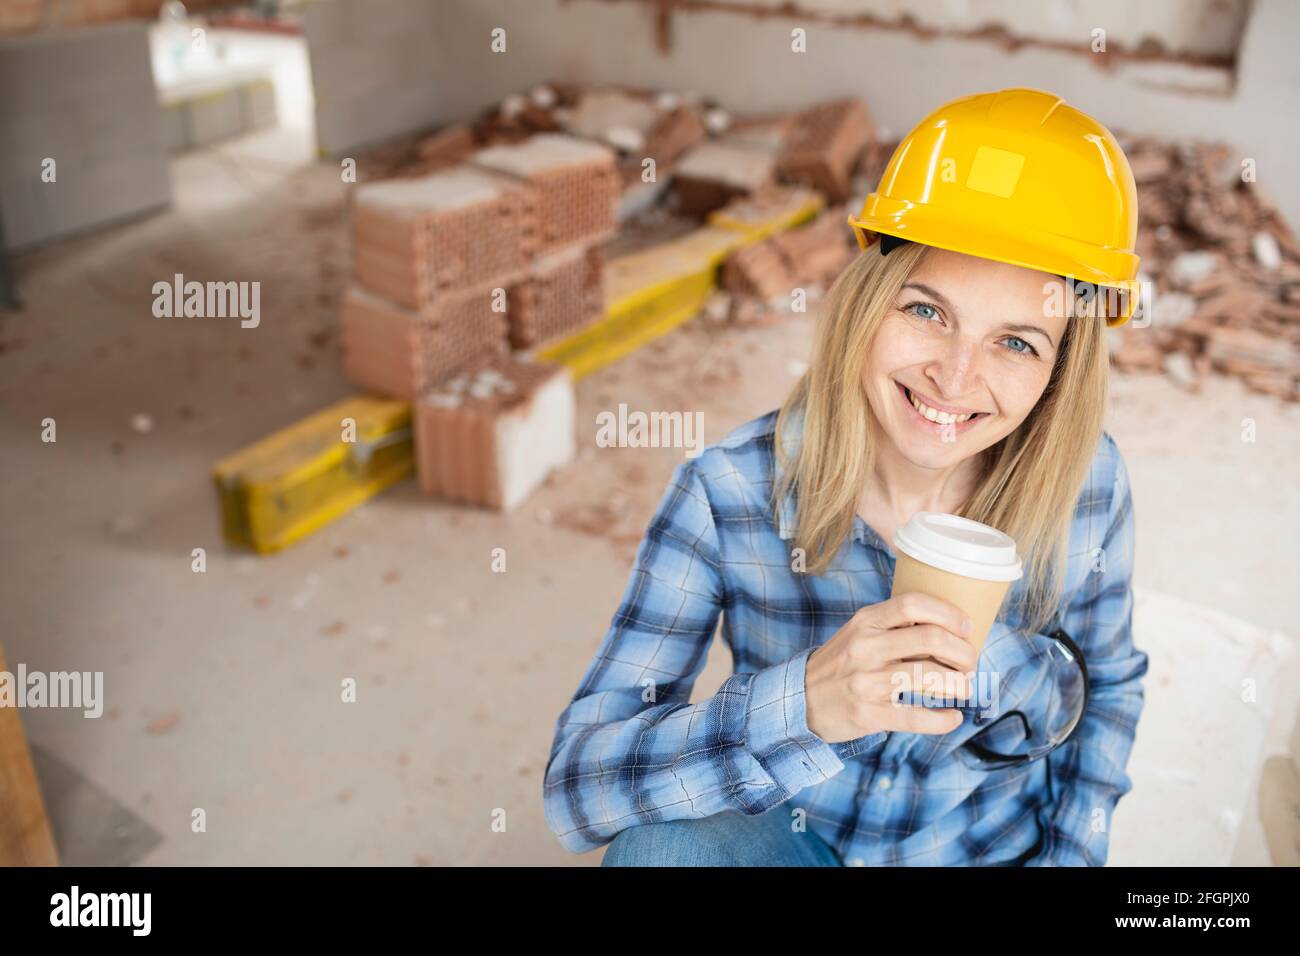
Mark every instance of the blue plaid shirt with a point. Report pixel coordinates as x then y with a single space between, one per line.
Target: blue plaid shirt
631 749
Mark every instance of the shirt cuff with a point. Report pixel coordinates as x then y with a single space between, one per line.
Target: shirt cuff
776 728
848 749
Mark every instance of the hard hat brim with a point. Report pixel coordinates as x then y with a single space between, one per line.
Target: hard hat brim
1053 254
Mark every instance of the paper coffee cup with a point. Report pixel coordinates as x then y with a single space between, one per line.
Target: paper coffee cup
959 560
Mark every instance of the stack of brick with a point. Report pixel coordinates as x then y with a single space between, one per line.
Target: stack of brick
393 350
562 293
490 435
417 240
823 147
577 188
575 185
454 266
427 254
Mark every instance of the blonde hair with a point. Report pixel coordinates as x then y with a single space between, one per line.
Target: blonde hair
1030 480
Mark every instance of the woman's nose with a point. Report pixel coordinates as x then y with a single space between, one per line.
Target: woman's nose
956 371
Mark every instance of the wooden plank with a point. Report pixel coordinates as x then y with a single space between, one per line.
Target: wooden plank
25 835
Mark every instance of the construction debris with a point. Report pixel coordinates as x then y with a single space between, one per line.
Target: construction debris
817 253
767 273
446 148
762 132
712 174
1225 270
824 145
675 132
771 211
605 114
759 271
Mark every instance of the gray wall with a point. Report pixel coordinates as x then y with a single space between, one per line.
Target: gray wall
85 98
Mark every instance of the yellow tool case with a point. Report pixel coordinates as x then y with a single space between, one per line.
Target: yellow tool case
288 484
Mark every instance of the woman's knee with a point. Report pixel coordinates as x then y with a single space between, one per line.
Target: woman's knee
730 838
650 844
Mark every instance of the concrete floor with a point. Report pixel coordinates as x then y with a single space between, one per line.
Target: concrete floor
223 688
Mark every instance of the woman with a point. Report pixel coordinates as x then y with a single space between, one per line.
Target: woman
960 366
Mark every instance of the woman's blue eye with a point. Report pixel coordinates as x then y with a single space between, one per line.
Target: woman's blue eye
1027 350
934 313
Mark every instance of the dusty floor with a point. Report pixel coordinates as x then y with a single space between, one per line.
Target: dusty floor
223 688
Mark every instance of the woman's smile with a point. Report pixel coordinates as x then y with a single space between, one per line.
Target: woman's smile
935 418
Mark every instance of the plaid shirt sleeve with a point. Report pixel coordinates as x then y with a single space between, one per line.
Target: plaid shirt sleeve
630 749
1088 776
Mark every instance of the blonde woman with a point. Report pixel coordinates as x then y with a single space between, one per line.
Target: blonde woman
959 366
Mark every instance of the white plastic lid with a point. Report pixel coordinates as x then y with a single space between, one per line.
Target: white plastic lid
960 545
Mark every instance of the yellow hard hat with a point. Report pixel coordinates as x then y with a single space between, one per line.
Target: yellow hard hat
1017 176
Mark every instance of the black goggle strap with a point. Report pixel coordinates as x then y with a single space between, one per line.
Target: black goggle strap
889 243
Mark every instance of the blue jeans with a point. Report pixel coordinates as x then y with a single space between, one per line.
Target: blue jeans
730 838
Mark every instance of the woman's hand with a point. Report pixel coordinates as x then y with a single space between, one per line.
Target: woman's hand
853 680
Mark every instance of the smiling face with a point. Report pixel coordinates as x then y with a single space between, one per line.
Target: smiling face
962 356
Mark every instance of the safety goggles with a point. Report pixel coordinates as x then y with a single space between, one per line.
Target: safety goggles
1050 690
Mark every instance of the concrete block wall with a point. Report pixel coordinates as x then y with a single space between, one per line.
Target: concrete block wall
375 69
84 98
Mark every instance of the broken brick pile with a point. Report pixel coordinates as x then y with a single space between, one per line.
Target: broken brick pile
451 268
703 156
810 255
1225 271
761 279
1223 265
824 145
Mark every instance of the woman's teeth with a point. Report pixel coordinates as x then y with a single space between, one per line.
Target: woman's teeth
934 415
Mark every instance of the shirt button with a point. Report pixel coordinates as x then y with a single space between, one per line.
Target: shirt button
885 783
